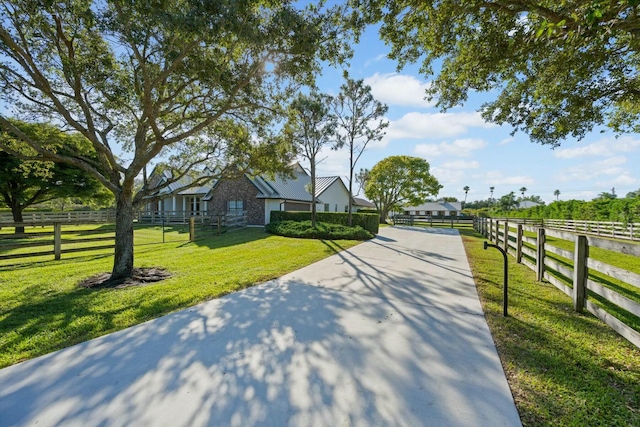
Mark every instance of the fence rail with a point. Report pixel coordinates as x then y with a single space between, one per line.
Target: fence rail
61 240
427 219
571 271
47 238
70 216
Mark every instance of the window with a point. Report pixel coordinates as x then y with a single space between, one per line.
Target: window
326 207
440 213
453 213
235 207
346 208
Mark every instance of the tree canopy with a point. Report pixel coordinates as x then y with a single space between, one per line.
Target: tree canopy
25 183
192 83
359 118
559 68
398 181
310 127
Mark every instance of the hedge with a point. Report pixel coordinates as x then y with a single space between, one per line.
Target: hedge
369 222
323 230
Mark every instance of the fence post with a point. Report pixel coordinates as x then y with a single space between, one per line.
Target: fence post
580 273
506 236
519 244
57 240
540 255
192 229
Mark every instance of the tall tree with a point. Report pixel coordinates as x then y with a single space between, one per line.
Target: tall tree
559 67
311 127
359 122
466 191
492 188
400 180
522 191
193 83
557 194
26 183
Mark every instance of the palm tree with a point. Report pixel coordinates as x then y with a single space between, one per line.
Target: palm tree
491 189
466 190
557 194
522 190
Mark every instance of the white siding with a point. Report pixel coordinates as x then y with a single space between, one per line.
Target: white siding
334 195
270 205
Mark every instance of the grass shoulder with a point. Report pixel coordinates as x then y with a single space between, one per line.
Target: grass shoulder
42 308
564 368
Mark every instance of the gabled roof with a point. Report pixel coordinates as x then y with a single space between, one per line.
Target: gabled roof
160 178
357 201
322 183
436 206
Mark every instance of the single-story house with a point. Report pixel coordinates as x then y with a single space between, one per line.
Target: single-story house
434 209
259 195
187 202
359 203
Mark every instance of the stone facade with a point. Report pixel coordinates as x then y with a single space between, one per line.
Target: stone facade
238 189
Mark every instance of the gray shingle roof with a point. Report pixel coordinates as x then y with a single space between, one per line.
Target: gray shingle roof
436 206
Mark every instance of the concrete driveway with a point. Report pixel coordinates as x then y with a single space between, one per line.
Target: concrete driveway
388 333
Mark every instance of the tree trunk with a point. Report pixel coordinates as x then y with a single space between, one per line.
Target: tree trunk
16 211
313 193
123 261
349 217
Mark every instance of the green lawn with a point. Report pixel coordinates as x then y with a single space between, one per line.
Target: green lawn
564 368
42 309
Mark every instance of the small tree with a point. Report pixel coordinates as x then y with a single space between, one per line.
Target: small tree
359 121
311 126
26 183
400 180
508 201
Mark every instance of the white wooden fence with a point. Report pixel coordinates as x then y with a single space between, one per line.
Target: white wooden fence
574 281
617 230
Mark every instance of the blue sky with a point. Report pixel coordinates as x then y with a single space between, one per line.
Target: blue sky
463 149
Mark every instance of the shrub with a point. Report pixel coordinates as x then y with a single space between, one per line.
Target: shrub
323 230
368 221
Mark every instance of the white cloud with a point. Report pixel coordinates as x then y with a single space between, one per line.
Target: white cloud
623 180
603 147
376 59
507 140
496 177
459 147
398 89
450 173
587 171
433 126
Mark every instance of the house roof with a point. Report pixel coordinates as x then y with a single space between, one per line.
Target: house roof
159 178
436 206
362 202
525 204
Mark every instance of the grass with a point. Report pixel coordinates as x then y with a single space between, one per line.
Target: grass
564 368
42 309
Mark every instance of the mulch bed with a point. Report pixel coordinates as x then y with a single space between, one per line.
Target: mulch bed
139 277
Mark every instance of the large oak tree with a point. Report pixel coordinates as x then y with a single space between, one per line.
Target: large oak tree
398 181
196 83
558 68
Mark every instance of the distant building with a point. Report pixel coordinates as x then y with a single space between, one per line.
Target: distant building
526 204
434 209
